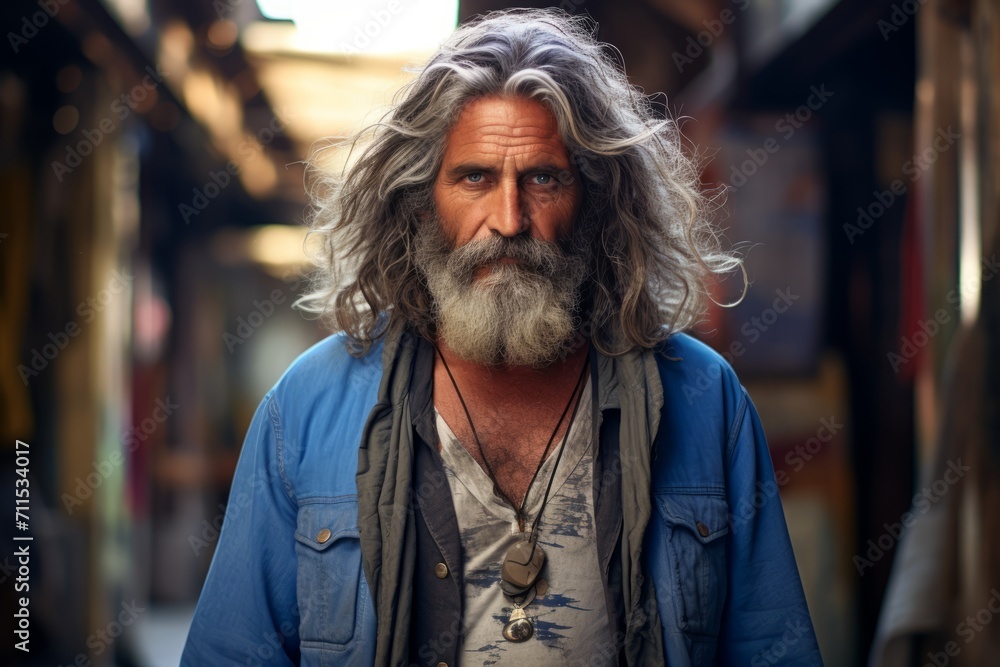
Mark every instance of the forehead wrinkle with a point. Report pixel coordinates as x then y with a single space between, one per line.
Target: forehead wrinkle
513 129
505 145
498 134
543 153
501 129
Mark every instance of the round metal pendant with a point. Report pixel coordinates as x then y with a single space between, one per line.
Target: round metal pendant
518 630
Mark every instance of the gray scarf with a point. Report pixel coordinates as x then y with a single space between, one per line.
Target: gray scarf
386 519
640 395
385 470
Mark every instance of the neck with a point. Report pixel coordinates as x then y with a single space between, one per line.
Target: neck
481 380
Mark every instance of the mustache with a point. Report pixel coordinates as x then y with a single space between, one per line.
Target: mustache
533 255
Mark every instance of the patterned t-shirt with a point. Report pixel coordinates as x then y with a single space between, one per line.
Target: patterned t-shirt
571 619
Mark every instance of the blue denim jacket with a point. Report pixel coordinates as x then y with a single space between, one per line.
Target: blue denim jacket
286 586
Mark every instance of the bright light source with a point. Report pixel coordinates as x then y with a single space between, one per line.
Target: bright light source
278 246
277 249
279 10
364 26
132 14
969 234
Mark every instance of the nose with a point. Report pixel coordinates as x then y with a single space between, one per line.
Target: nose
509 216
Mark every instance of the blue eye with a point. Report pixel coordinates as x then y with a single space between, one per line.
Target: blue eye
475 178
543 179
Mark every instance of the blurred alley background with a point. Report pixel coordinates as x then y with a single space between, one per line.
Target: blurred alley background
152 155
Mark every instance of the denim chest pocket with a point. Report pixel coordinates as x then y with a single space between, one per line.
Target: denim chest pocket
696 526
331 590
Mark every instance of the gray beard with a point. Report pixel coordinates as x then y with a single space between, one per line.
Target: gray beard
521 314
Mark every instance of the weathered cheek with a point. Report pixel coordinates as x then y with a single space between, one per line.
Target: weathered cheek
558 204
463 216
448 200
570 211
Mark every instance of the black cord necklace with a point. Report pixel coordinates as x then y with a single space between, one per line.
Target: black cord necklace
523 563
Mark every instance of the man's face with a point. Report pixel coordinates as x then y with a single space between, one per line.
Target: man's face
506 172
502 252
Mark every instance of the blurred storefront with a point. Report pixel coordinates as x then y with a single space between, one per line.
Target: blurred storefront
154 154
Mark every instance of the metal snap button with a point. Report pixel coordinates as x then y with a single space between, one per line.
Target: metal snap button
441 570
702 528
323 536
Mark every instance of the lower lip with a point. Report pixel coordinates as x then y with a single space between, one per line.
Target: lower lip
486 269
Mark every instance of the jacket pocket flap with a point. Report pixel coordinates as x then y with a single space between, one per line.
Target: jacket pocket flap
320 525
705 516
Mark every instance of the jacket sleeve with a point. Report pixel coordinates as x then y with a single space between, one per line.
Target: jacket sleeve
247 613
765 619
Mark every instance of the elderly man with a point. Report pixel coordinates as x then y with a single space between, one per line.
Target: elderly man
510 454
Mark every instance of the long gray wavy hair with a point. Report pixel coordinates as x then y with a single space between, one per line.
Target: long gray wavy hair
654 245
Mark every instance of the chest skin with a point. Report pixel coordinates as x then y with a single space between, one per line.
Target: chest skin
514 429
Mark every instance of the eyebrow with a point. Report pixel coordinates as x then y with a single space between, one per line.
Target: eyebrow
473 167
467 168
